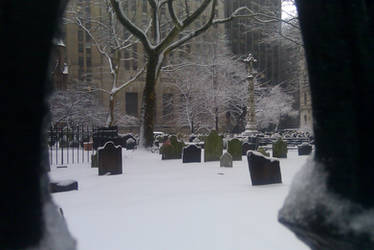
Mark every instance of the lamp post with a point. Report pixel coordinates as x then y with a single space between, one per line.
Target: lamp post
251 127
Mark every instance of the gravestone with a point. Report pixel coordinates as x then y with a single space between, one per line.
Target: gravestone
280 149
109 159
213 147
63 186
304 149
226 160
263 170
235 149
248 146
130 143
123 139
171 149
94 162
105 134
191 153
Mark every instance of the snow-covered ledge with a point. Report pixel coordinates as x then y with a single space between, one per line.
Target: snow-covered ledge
322 219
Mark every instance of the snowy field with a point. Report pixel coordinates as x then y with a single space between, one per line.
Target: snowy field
167 205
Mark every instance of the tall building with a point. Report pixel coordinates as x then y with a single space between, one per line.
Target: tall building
247 35
87 63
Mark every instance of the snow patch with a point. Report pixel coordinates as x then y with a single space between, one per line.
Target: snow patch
309 193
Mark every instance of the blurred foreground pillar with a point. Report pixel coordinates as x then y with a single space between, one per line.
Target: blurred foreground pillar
331 202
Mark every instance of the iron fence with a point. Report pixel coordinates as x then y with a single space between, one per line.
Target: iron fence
70 145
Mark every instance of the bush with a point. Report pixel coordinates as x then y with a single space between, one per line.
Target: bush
280 149
213 147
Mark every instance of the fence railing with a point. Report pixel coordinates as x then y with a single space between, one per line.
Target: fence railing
73 145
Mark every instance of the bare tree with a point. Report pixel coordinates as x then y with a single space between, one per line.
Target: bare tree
110 40
75 105
158 45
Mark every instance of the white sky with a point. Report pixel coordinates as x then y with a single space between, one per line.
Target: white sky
288 10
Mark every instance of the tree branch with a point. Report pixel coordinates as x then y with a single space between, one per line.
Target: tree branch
126 22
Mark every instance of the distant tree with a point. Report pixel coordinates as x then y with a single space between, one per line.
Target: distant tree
164 38
274 104
209 82
110 41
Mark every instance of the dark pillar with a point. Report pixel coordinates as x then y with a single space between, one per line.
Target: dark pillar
26 32
339 45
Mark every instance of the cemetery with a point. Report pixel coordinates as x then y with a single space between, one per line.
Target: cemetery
176 189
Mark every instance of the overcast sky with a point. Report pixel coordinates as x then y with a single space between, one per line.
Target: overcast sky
288 10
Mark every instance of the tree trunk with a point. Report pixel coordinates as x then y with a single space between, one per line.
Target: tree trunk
149 103
341 76
110 119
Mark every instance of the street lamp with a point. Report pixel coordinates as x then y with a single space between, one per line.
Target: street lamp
251 127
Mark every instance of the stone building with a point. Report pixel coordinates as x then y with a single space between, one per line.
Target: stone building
249 36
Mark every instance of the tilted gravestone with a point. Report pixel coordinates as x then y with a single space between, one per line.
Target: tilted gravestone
248 146
263 170
235 149
63 186
213 147
109 159
304 149
191 153
172 149
226 160
280 149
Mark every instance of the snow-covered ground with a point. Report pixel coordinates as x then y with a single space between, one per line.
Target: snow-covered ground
167 205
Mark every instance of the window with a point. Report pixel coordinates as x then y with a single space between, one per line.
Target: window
80 36
135 56
167 106
80 61
305 98
133 6
80 47
126 61
132 103
144 6
88 61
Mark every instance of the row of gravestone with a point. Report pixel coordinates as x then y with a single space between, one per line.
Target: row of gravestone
213 149
103 135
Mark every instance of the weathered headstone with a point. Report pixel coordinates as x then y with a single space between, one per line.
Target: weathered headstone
94 161
263 170
63 186
235 149
226 160
248 146
213 147
280 149
191 153
172 149
304 149
110 159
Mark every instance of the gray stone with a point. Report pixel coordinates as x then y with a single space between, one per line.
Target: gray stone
226 160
